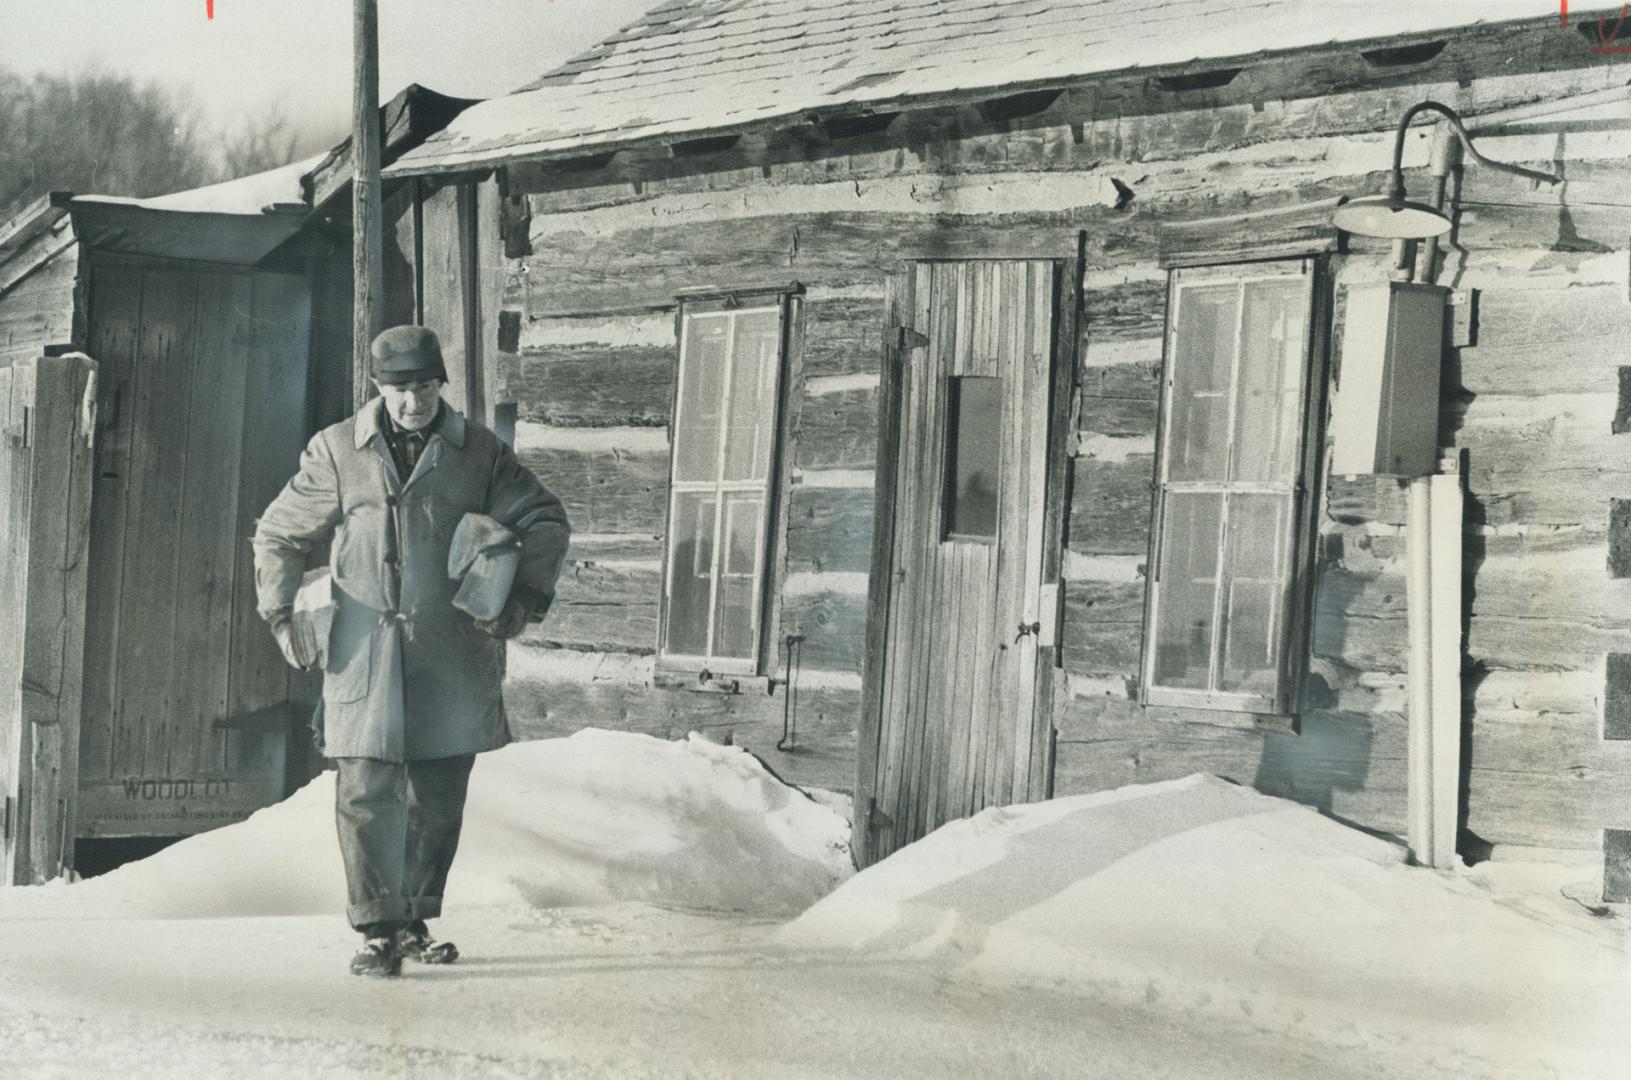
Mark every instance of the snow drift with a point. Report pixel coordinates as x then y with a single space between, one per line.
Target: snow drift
1212 898
597 817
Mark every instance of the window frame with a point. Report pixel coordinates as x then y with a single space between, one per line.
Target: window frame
770 544
1294 645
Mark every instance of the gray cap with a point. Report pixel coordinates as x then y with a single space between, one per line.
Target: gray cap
405 354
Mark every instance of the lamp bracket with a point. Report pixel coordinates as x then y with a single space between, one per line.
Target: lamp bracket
1466 141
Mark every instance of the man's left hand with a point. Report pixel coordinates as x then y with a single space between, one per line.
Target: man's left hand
510 622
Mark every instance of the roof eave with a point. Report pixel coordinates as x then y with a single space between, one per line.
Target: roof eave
570 147
192 235
32 221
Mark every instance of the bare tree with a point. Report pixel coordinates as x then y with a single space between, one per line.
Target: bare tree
259 143
18 167
94 132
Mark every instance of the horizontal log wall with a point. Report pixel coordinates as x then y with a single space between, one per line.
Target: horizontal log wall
1532 399
593 395
553 692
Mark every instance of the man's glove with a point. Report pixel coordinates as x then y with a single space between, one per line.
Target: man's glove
510 622
289 642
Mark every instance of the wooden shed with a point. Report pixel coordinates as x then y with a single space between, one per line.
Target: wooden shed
200 361
207 334
940 394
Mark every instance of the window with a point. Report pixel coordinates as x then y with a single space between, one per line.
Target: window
1230 554
973 449
721 487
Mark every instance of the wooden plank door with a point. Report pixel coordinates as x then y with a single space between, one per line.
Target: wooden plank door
45 465
203 402
15 467
964 597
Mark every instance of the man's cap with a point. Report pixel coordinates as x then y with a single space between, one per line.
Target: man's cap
405 354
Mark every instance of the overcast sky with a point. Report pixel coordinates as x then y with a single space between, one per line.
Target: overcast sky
299 51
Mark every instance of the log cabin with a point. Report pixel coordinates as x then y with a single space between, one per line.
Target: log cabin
949 397
855 338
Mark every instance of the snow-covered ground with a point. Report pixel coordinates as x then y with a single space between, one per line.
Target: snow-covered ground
629 908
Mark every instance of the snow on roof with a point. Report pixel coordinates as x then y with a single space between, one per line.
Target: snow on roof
690 66
245 195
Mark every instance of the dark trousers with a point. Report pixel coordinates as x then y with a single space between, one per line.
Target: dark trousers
399 829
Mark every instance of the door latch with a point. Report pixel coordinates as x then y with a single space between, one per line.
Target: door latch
1027 629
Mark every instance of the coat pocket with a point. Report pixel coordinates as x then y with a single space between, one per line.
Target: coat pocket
351 658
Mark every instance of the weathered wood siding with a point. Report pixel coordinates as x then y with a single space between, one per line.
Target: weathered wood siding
37 287
588 359
329 382
45 463
593 396
1530 401
201 408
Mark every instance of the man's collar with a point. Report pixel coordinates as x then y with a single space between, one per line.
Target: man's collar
372 420
366 425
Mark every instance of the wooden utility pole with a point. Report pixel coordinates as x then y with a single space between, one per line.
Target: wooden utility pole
367 224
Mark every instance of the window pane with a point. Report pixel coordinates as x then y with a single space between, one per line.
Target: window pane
736 621
724 444
742 533
1269 393
1259 539
754 363
1188 588
1202 356
696 429
690 562
973 455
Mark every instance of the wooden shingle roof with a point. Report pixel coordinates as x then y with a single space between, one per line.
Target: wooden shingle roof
693 67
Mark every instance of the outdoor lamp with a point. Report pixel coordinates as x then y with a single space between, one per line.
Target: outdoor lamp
1392 216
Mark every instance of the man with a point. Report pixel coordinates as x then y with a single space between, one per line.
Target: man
411 685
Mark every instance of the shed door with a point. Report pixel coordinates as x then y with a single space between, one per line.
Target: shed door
202 415
959 672
45 489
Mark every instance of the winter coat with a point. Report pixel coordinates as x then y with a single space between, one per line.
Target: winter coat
408 676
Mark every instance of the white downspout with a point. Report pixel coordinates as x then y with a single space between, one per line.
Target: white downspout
1433 610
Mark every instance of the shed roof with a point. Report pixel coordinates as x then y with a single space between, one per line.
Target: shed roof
695 66
280 186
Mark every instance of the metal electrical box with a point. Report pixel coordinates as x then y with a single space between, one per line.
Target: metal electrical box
1385 418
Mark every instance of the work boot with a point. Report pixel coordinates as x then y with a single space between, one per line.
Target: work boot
414 942
378 958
